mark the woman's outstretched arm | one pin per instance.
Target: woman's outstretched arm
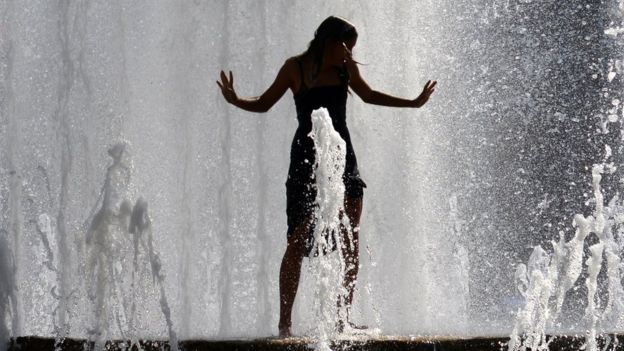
(260, 103)
(375, 97)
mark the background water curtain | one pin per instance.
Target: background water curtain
(459, 192)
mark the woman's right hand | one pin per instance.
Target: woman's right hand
(426, 93)
(227, 88)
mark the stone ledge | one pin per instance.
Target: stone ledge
(386, 343)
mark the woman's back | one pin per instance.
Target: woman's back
(328, 92)
(328, 89)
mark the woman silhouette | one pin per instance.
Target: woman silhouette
(319, 77)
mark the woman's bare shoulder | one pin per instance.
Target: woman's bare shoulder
(290, 70)
(293, 62)
(292, 65)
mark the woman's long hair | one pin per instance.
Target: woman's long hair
(332, 28)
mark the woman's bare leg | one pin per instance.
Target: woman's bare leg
(290, 271)
(350, 252)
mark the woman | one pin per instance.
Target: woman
(319, 77)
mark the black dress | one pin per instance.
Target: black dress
(300, 185)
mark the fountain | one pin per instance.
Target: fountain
(505, 158)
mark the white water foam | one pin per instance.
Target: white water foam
(547, 278)
(328, 269)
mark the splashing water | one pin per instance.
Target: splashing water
(8, 301)
(328, 270)
(106, 248)
(499, 136)
(548, 277)
(141, 229)
(112, 229)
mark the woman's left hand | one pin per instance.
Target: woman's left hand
(227, 88)
(426, 93)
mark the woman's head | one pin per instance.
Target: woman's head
(330, 40)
